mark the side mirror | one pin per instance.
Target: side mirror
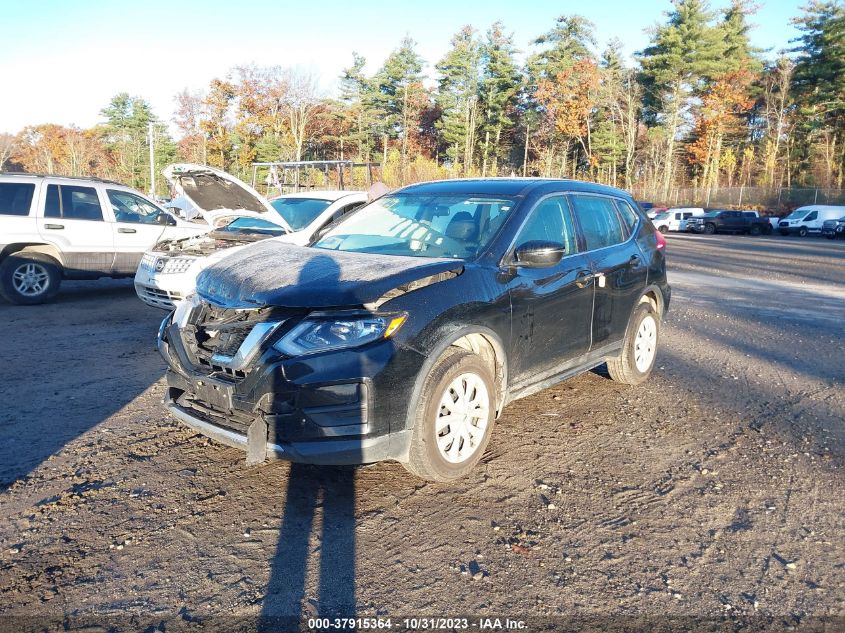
(166, 219)
(539, 254)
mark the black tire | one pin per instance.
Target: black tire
(663, 229)
(425, 459)
(802, 232)
(755, 230)
(710, 228)
(22, 263)
(624, 369)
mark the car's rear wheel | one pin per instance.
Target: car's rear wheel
(29, 278)
(755, 229)
(639, 348)
(454, 417)
(710, 228)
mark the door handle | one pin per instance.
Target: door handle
(122, 230)
(584, 278)
(54, 226)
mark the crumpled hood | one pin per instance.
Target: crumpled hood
(273, 273)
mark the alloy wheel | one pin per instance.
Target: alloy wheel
(30, 279)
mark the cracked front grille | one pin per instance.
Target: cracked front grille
(225, 341)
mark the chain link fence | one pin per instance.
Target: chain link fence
(764, 198)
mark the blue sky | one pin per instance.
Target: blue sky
(61, 61)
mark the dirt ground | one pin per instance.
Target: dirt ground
(713, 493)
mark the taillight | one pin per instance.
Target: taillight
(661, 241)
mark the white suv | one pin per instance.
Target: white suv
(55, 227)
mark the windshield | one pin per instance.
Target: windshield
(661, 216)
(797, 214)
(457, 226)
(711, 214)
(252, 225)
(299, 212)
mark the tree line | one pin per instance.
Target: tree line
(699, 107)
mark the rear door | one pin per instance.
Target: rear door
(606, 226)
(18, 198)
(551, 307)
(138, 225)
(71, 218)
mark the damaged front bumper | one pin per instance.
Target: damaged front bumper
(341, 407)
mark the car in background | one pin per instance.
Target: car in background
(810, 219)
(234, 213)
(405, 330)
(832, 229)
(55, 227)
(728, 221)
(307, 213)
(675, 219)
(168, 271)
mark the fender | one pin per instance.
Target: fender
(445, 341)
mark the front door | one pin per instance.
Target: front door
(138, 225)
(551, 307)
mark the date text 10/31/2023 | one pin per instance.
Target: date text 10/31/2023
(417, 624)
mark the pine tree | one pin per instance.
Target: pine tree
(498, 89)
(399, 94)
(355, 89)
(457, 98)
(684, 53)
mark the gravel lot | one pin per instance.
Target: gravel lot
(714, 491)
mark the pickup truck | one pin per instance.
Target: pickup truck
(717, 221)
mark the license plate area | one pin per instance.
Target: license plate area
(214, 395)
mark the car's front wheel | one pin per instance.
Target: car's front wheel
(709, 228)
(802, 232)
(639, 349)
(27, 279)
(454, 417)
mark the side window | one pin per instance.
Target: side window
(550, 221)
(16, 198)
(128, 207)
(812, 216)
(72, 203)
(628, 215)
(598, 220)
(344, 211)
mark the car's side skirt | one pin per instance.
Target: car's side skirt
(569, 369)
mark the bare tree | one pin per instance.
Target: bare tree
(302, 104)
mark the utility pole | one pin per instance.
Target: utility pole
(152, 162)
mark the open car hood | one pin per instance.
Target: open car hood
(274, 273)
(216, 195)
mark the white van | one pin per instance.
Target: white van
(809, 219)
(675, 219)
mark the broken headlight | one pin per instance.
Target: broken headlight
(319, 334)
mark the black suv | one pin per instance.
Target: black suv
(404, 331)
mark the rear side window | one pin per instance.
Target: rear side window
(628, 215)
(550, 221)
(16, 197)
(599, 221)
(71, 202)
